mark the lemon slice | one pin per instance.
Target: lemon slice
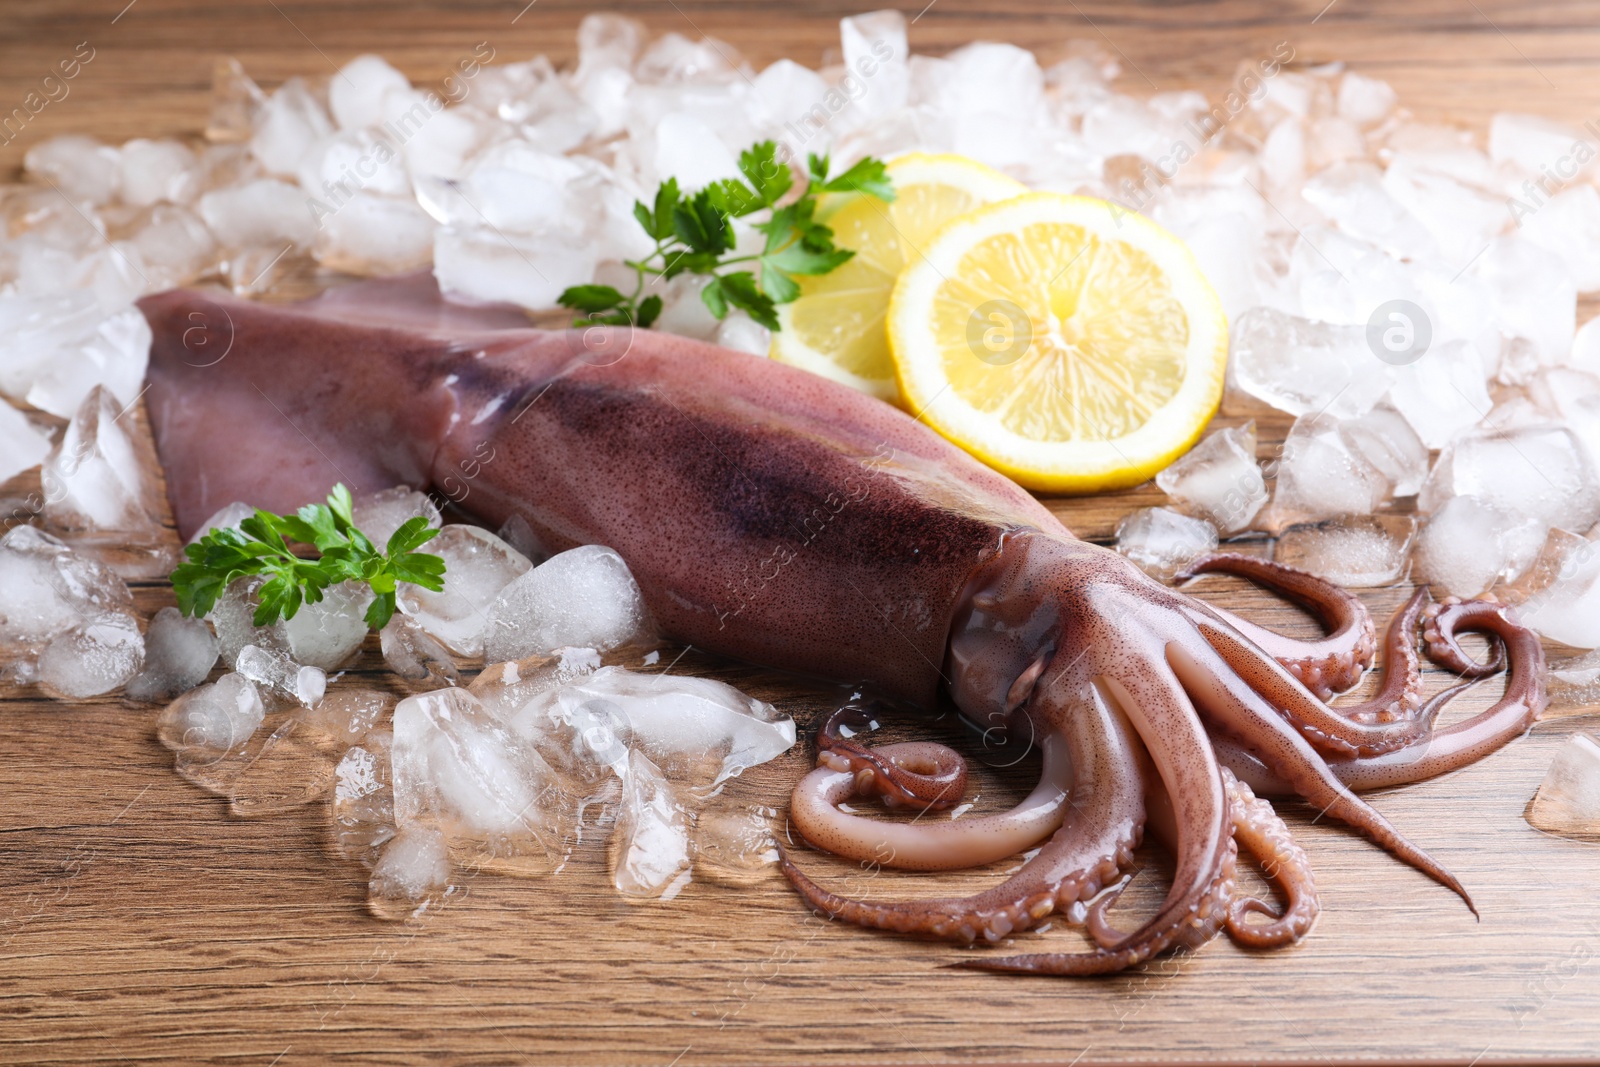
(1070, 343)
(836, 326)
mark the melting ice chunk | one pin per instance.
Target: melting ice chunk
(93, 657)
(216, 717)
(279, 672)
(94, 480)
(1163, 541)
(412, 869)
(326, 634)
(22, 446)
(355, 94)
(478, 565)
(379, 515)
(1540, 472)
(286, 125)
(347, 715)
(413, 654)
(699, 731)
(1558, 596)
(179, 653)
(81, 167)
(1304, 367)
(1568, 800)
(1322, 475)
(650, 845)
(1219, 479)
(583, 597)
(46, 588)
(1467, 545)
(1357, 550)
(506, 689)
(230, 516)
(453, 764)
(1443, 392)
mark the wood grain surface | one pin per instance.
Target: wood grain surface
(140, 921)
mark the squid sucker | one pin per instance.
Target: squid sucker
(773, 516)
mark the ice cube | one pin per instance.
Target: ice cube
(687, 148)
(1365, 101)
(1540, 472)
(46, 588)
(1386, 441)
(347, 715)
(1443, 392)
(478, 565)
(506, 689)
(380, 514)
(585, 597)
(1558, 596)
(54, 349)
(608, 40)
(1574, 683)
(699, 731)
(236, 102)
(178, 654)
(1585, 354)
(278, 672)
(412, 870)
(740, 333)
(95, 478)
(262, 212)
(346, 164)
(217, 717)
(1283, 155)
(444, 146)
(173, 246)
(733, 843)
(786, 92)
(356, 92)
(1568, 227)
(363, 799)
(1163, 541)
(650, 845)
(1219, 480)
(1461, 217)
(228, 517)
(22, 446)
(1467, 545)
(152, 171)
(413, 654)
(482, 264)
(81, 167)
(93, 657)
(674, 59)
(455, 766)
(1532, 299)
(1302, 367)
(875, 56)
(1322, 474)
(1358, 550)
(1568, 800)
(1352, 196)
(233, 620)
(1530, 142)
(375, 235)
(286, 126)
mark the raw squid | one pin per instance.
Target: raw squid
(773, 516)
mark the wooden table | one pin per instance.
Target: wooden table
(140, 921)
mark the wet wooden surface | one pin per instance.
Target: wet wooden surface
(139, 921)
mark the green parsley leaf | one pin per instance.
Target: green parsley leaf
(260, 546)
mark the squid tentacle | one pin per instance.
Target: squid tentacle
(930, 777)
(1259, 831)
(1439, 637)
(1439, 751)
(1196, 905)
(1326, 665)
(1108, 815)
(1232, 706)
(1333, 731)
(931, 845)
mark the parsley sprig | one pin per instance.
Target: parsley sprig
(260, 545)
(694, 234)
